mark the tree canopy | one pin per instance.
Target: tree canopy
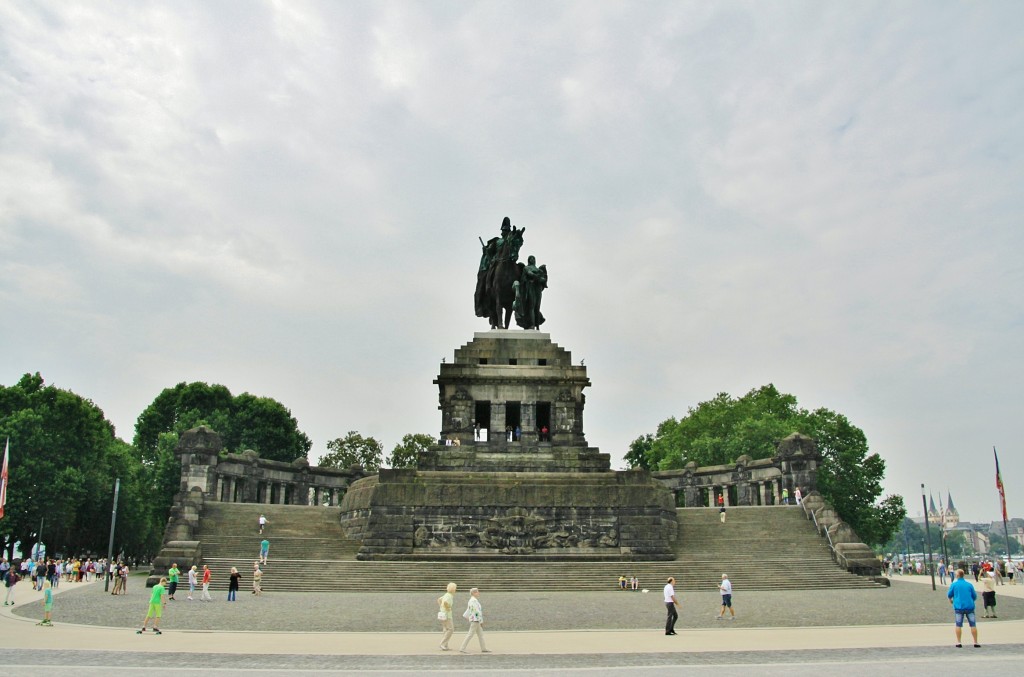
(243, 422)
(63, 463)
(406, 452)
(353, 449)
(722, 429)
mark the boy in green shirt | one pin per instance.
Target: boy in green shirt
(47, 605)
(156, 607)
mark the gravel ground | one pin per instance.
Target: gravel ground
(380, 611)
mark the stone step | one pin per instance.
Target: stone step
(761, 549)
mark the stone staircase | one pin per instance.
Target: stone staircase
(761, 548)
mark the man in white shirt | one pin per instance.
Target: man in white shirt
(670, 606)
(726, 589)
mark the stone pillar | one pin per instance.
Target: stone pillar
(198, 450)
(528, 413)
(497, 431)
(761, 493)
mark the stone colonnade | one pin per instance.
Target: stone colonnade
(247, 478)
(748, 482)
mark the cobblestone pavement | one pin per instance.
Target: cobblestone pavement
(377, 611)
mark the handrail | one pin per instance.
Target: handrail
(828, 537)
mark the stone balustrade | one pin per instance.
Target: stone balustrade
(748, 482)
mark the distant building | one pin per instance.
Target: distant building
(943, 517)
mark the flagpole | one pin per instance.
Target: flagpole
(1002, 498)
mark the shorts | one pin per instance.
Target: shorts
(959, 618)
(48, 607)
(989, 598)
(727, 600)
(155, 610)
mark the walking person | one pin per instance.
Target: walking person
(725, 588)
(156, 607)
(264, 550)
(263, 522)
(474, 613)
(961, 596)
(115, 572)
(721, 514)
(988, 594)
(10, 581)
(444, 614)
(670, 606)
(257, 579)
(207, 575)
(193, 580)
(172, 580)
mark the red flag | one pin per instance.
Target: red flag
(3, 479)
(999, 482)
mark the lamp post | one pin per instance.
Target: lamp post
(928, 533)
(110, 544)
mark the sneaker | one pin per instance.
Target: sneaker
(718, 618)
(489, 651)
(157, 632)
(139, 632)
(732, 618)
(977, 646)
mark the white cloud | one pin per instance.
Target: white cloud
(286, 200)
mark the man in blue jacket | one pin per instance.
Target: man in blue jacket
(962, 595)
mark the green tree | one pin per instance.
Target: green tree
(353, 449)
(243, 422)
(720, 430)
(637, 457)
(64, 458)
(406, 452)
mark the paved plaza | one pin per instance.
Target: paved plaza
(540, 632)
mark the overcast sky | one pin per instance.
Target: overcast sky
(285, 198)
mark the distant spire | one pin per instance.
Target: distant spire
(949, 502)
(931, 505)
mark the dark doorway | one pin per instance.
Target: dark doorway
(483, 418)
(544, 421)
(513, 418)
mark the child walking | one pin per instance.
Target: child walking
(156, 607)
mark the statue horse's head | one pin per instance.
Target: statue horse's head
(513, 243)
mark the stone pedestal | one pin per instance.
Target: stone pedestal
(543, 495)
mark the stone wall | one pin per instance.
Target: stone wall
(409, 514)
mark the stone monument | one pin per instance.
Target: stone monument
(512, 476)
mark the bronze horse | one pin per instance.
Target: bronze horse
(497, 292)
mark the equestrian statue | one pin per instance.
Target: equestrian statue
(505, 284)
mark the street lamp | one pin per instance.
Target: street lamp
(928, 532)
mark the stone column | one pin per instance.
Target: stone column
(497, 431)
(528, 413)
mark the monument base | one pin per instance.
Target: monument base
(451, 515)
